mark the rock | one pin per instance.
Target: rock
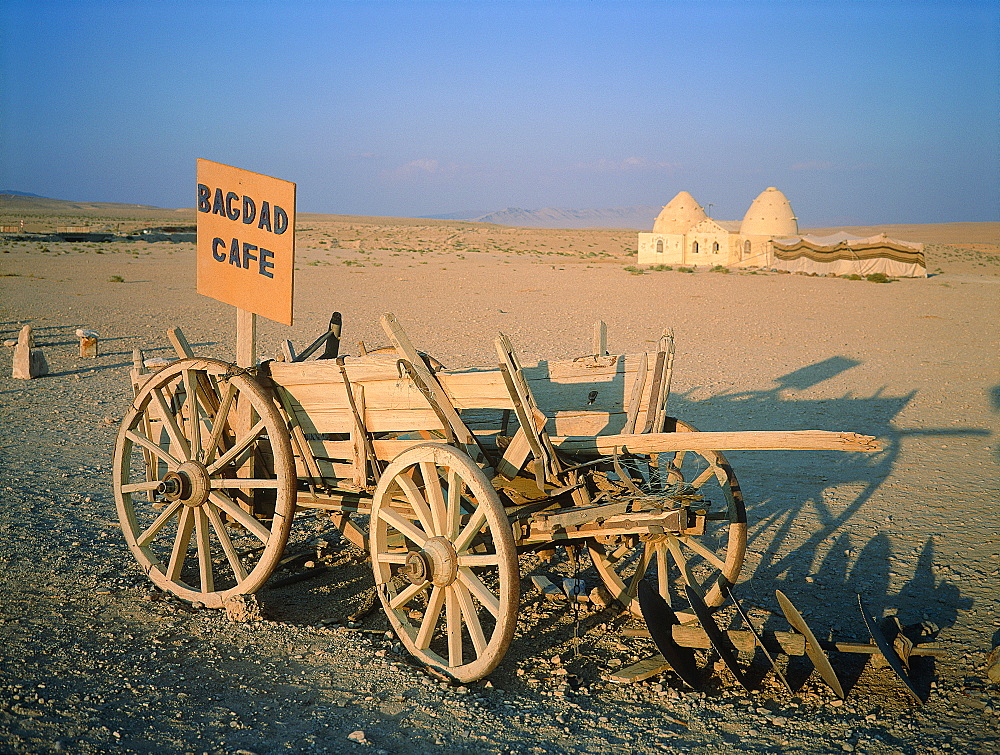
(993, 665)
(359, 737)
(29, 362)
(243, 608)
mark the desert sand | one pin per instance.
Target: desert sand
(90, 663)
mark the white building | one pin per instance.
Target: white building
(684, 235)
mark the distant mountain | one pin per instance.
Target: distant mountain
(640, 217)
(463, 215)
(24, 202)
(21, 193)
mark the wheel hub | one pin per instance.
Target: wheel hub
(436, 562)
(188, 484)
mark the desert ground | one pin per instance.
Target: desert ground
(92, 660)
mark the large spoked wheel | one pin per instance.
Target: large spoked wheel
(703, 479)
(204, 481)
(445, 563)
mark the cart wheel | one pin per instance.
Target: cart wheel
(199, 529)
(445, 563)
(668, 559)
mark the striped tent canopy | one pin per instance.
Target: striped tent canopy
(843, 254)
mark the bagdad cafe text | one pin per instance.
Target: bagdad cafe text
(246, 239)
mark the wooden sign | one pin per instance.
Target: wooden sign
(246, 239)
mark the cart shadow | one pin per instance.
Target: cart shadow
(786, 490)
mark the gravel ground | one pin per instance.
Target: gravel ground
(92, 660)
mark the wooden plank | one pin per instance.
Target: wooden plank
(637, 672)
(658, 404)
(635, 397)
(514, 456)
(359, 444)
(556, 386)
(408, 352)
(246, 338)
(181, 346)
(600, 338)
(531, 419)
(547, 588)
(769, 440)
(341, 420)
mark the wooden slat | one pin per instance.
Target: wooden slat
(436, 396)
(180, 343)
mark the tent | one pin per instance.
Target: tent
(843, 254)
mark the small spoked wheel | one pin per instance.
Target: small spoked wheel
(204, 481)
(703, 479)
(445, 563)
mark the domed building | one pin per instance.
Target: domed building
(683, 234)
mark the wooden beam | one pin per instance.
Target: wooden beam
(757, 440)
(181, 346)
(246, 338)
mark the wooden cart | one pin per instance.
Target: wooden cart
(445, 476)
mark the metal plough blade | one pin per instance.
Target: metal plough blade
(757, 638)
(719, 639)
(886, 649)
(659, 619)
(813, 649)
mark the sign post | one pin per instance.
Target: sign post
(246, 247)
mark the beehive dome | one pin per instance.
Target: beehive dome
(679, 215)
(770, 215)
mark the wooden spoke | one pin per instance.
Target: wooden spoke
(644, 558)
(417, 501)
(245, 520)
(407, 594)
(193, 412)
(404, 526)
(220, 423)
(179, 552)
(490, 559)
(453, 621)
(435, 497)
(685, 567)
(166, 416)
(476, 523)
(454, 513)
(181, 421)
(239, 448)
(244, 483)
(226, 542)
(704, 477)
(471, 597)
(470, 617)
(429, 620)
(481, 591)
(154, 449)
(153, 530)
(392, 558)
(705, 553)
(675, 558)
(202, 531)
(662, 572)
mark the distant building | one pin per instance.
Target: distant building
(684, 235)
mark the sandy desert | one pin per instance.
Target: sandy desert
(93, 661)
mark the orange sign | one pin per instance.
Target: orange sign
(246, 239)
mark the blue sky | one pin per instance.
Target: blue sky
(861, 111)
